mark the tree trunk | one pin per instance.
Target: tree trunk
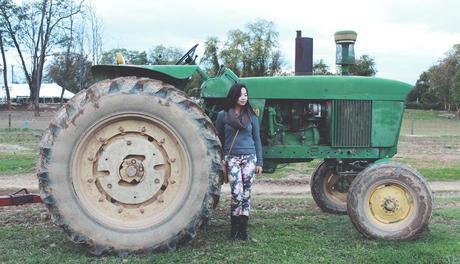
(5, 72)
(62, 96)
(37, 99)
(36, 88)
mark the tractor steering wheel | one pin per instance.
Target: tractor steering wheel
(187, 58)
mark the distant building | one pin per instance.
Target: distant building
(49, 93)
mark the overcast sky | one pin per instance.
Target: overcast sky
(404, 37)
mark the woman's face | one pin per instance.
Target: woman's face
(243, 99)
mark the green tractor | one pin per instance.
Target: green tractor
(132, 164)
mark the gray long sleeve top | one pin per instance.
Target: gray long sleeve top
(247, 141)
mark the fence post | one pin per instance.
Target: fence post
(9, 121)
(412, 126)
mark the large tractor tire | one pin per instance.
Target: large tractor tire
(130, 165)
(390, 201)
(324, 189)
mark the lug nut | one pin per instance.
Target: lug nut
(109, 186)
(128, 142)
(171, 160)
(120, 210)
(157, 181)
(90, 158)
(90, 180)
(101, 199)
(142, 210)
(172, 181)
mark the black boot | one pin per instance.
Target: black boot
(235, 221)
(243, 231)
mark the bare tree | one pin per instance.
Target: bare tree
(69, 44)
(35, 26)
(5, 71)
(95, 35)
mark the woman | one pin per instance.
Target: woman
(238, 130)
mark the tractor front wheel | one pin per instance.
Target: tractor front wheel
(390, 201)
(327, 190)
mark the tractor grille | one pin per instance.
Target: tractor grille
(351, 123)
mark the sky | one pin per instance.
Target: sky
(405, 37)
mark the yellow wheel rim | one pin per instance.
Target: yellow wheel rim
(390, 203)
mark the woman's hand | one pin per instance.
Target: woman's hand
(258, 169)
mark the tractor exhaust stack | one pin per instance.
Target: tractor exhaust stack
(303, 55)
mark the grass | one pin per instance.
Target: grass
(19, 151)
(441, 174)
(429, 123)
(287, 230)
(17, 163)
(29, 137)
(417, 114)
(293, 170)
(434, 170)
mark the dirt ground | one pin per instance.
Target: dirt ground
(11, 183)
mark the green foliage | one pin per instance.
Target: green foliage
(321, 68)
(421, 88)
(439, 86)
(158, 55)
(210, 59)
(161, 55)
(71, 71)
(252, 52)
(364, 66)
(131, 56)
(455, 89)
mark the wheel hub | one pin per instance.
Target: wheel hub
(132, 171)
(390, 203)
(131, 184)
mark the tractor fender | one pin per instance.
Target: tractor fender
(177, 75)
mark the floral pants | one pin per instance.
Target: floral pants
(241, 171)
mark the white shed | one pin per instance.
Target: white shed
(49, 93)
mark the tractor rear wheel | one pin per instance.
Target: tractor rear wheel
(390, 201)
(324, 189)
(129, 165)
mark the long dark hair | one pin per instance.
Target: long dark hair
(232, 97)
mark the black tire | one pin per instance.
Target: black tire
(93, 194)
(322, 185)
(390, 201)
